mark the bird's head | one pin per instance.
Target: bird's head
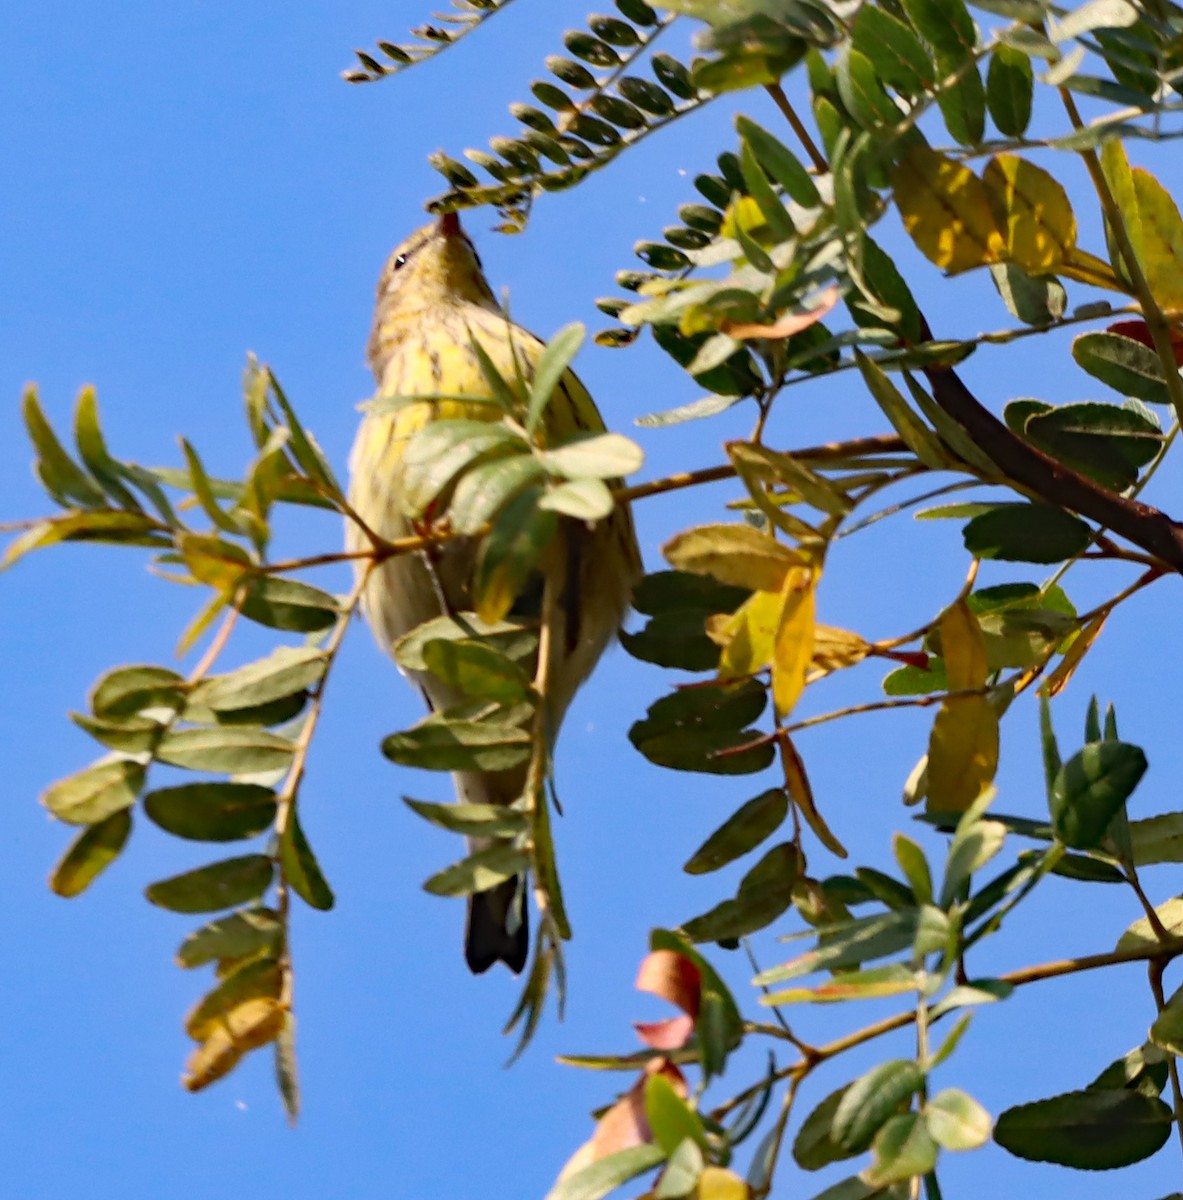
(436, 265)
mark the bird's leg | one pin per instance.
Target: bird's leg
(429, 556)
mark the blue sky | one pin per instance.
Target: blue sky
(187, 183)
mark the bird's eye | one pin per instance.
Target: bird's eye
(400, 262)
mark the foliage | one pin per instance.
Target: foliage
(769, 279)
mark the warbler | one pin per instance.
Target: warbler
(433, 303)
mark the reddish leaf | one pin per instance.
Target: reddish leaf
(1138, 330)
(671, 976)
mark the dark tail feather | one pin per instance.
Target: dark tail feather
(497, 928)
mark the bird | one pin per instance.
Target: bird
(433, 303)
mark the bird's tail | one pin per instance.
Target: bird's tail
(498, 927)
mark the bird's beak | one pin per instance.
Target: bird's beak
(449, 225)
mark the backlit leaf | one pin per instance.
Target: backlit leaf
(946, 210)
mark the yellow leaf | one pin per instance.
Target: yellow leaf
(946, 210)
(962, 753)
(1057, 681)
(1162, 240)
(797, 783)
(742, 213)
(1087, 268)
(963, 648)
(813, 488)
(250, 1025)
(1034, 210)
(1116, 169)
(793, 650)
(740, 555)
(717, 1183)
(836, 649)
(1152, 223)
(748, 636)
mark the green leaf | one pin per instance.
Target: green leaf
(245, 933)
(113, 528)
(227, 749)
(284, 672)
(287, 1078)
(873, 1099)
(945, 24)
(956, 1120)
(125, 691)
(764, 893)
(1167, 1029)
(687, 730)
(1143, 1069)
(849, 944)
(705, 406)
(442, 449)
(475, 820)
(1021, 532)
(202, 488)
(511, 553)
(896, 53)
(1122, 364)
(1090, 1130)
(744, 830)
(607, 1174)
(670, 1117)
(289, 604)
(676, 591)
(912, 681)
(480, 871)
(511, 638)
(915, 867)
(1091, 788)
(583, 499)
(94, 454)
(1009, 89)
(779, 161)
(1033, 299)
(436, 744)
(919, 438)
(682, 1171)
(676, 640)
(1141, 934)
(862, 92)
(212, 812)
(308, 454)
(220, 885)
(95, 793)
(1107, 442)
(477, 670)
(487, 488)
(128, 735)
(549, 370)
(903, 1148)
(814, 1146)
(90, 853)
(1157, 839)
(299, 865)
(65, 481)
(595, 456)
